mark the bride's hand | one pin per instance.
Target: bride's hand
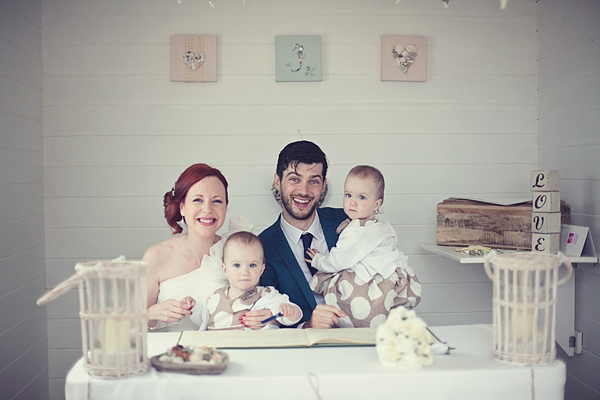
(168, 311)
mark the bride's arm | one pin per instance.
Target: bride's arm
(150, 257)
(170, 310)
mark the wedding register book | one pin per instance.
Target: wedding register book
(240, 339)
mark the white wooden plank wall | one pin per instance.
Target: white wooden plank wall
(23, 348)
(117, 132)
(569, 141)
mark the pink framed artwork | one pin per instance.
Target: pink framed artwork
(193, 58)
(404, 58)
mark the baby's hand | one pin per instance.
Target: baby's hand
(311, 254)
(188, 302)
(290, 312)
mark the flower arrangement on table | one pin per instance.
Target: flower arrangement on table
(404, 341)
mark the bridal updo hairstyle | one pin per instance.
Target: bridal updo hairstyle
(174, 197)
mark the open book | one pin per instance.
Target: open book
(241, 339)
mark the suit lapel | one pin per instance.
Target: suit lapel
(289, 260)
(329, 226)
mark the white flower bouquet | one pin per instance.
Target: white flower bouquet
(404, 341)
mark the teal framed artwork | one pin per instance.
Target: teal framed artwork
(298, 58)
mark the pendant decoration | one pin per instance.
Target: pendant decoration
(193, 59)
(405, 58)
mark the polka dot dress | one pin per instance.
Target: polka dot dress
(226, 313)
(367, 303)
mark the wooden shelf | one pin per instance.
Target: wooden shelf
(450, 252)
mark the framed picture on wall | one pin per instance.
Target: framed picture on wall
(298, 58)
(193, 58)
(404, 58)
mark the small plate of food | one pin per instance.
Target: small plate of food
(191, 360)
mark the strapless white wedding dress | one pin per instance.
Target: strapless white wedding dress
(202, 281)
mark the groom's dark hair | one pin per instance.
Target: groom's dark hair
(302, 151)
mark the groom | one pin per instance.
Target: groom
(300, 180)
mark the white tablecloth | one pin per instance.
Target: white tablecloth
(469, 372)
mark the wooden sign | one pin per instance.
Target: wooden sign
(464, 222)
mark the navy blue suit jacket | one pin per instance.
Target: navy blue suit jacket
(282, 270)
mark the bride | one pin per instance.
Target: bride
(189, 264)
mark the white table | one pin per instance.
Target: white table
(469, 372)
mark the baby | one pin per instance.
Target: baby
(365, 274)
(243, 263)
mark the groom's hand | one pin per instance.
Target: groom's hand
(324, 317)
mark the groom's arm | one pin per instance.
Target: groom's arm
(269, 277)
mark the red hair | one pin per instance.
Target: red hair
(174, 197)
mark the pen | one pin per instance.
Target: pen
(271, 318)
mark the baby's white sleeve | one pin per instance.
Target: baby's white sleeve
(285, 320)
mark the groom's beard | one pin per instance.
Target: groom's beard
(300, 215)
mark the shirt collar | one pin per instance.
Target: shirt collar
(294, 233)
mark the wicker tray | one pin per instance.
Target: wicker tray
(191, 368)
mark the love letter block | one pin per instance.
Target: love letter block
(545, 222)
(546, 202)
(545, 242)
(544, 180)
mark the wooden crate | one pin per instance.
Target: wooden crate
(462, 222)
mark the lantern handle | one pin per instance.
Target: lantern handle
(70, 283)
(60, 289)
(567, 263)
(487, 266)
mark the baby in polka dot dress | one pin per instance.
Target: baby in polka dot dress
(365, 274)
(243, 263)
